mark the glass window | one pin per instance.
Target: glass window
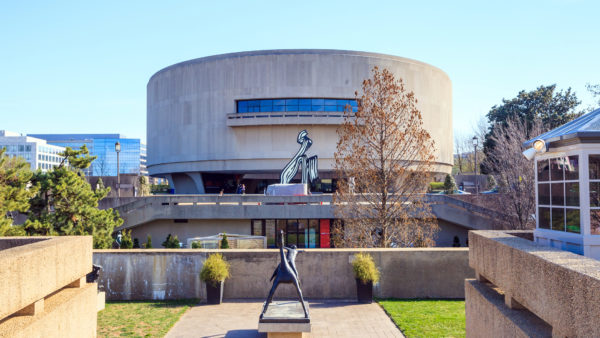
(317, 108)
(292, 232)
(558, 219)
(291, 108)
(317, 102)
(544, 214)
(304, 102)
(543, 170)
(595, 221)
(21, 148)
(544, 194)
(572, 167)
(291, 102)
(279, 102)
(278, 108)
(573, 224)
(304, 108)
(594, 194)
(302, 233)
(594, 167)
(270, 228)
(556, 169)
(572, 194)
(329, 102)
(257, 227)
(557, 193)
(313, 233)
(330, 108)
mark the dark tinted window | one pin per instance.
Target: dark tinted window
(305, 104)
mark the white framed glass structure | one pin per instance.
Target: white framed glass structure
(567, 187)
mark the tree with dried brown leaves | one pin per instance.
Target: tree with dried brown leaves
(514, 173)
(383, 161)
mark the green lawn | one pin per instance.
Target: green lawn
(427, 317)
(140, 318)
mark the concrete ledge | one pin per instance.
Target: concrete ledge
(67, 313)
(38, 267)
(488, 316)
(324, 273)
(559, 287)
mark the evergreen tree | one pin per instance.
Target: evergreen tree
(224, 242)
(172, 242)
(491, 182)
(449, 184)
(148, 242)
(15, 177)
(66, 204)
(126, 242)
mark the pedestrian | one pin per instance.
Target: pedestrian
(243, 189)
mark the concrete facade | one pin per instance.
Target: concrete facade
(324, 273)
(201, 215)
(43, 290)
(193, 127)
(546, 289)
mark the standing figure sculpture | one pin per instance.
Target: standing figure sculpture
(309, 165)
(285, 273)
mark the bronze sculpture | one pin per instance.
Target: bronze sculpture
(285, 273)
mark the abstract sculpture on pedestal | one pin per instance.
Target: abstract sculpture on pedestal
(285, 273)
(309, 165)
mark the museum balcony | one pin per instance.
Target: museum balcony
(284, 118)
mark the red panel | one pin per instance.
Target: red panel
(324, 232)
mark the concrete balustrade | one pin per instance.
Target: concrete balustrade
(544, 290)
(42, 287)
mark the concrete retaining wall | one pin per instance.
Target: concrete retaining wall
(324, 273)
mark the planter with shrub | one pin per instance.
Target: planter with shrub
(366, 274)
(214, 272)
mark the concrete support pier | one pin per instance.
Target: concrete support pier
(285, 319)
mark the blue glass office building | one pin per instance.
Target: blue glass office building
(132, 156)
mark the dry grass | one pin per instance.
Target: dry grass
(140, 318)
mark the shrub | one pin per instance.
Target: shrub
(126, 242)
(215, 269)
(224, 242)
(172, 242)
(436, 186)
(148, 242)
(364, 268)
(196, 245)
(449, 184)
(491, 182)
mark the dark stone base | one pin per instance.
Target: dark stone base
(285, 312)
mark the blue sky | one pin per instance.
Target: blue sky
(82, 66)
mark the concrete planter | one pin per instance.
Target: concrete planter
(214, 294)
(364, 292)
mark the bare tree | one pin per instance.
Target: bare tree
(516, 177)
(383, 160)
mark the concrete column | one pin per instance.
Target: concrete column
(511, 302)
(197, 177)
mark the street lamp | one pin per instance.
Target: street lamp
(118, 150)
(475, 143)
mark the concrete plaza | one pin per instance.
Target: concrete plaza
(328, 319)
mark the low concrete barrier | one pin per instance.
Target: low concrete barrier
(545, 290)
(43, 289)
(324, 273)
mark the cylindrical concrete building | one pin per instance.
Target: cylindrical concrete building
(223, 119)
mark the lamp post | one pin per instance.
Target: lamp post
(475, 143)
(118, 150)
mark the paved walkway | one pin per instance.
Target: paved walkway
(328, 318)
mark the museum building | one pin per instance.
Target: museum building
(218, 121)
(221, 120)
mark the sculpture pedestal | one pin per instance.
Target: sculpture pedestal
(284, 319)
